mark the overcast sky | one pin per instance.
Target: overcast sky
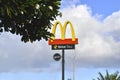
(96, 26)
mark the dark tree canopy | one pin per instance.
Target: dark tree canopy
(30, 19)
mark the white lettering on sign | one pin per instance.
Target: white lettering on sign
(57, 47)
(61, 46)
(69, 46)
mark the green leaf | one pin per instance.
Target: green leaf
(108, 76)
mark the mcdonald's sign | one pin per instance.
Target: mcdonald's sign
(66, 41)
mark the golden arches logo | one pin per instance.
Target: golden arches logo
(72, 40)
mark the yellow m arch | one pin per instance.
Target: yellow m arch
(63, 29)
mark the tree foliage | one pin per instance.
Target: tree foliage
(107, 76)
(30, 19)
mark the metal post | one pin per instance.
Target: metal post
(63, 64)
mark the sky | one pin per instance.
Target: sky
(97, 27)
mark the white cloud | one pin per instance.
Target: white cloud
(18, 56)
(112, 22)
(98, 46)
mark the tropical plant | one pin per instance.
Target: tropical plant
(114, 76)
(30, 19)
